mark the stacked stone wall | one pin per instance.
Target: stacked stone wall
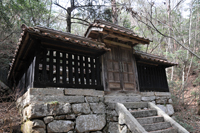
(77, 110)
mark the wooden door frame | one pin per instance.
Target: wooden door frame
(104, 73)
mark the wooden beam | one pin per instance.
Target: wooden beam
(139, 39)
(120, 37)
(109, 42)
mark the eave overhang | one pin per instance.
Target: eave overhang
(33, 38)
(112, 32)
(150, 59)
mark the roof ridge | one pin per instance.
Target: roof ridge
(113, 25)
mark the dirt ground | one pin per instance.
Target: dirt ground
(9, 118)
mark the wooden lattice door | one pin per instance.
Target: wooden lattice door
(119, 69)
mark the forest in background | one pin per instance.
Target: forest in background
(172, 25)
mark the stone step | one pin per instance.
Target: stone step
(168, 130)
(150, 120)
(144, 113)
(136, 105)
(157, 126)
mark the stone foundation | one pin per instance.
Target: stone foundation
(79, 110)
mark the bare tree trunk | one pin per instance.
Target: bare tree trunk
(48, 20)
(68, 19)
(114, 12)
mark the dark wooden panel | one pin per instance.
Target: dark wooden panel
(152, 78)
(68, 70)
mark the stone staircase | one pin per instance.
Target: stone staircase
(151, 122)
(149, 118)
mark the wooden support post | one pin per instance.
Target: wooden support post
(81, 70)
(92, 70)
(51, 66)
(64, 72)
(97, 63)
(87, 70)
(76, 69)
(70, 69)
(57, 67)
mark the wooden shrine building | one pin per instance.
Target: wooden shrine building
(104, 59)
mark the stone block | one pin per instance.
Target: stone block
(124, 129)
(169, 109)
(111, 118)
(47, 91)
(135, 105)
(92, 99)
(36, 126)
(63, 109)
(110, 106)
(101, 99)
(70, 117)
(170, 101)
(122, 99)
(60, 117)
(83, 92)
(21, 101)
(60, 99)
(111, 112)
(35, 111)
(163, 94)
(81, 108)
(98, 107)
(60, 126)
(42, 110)
(160, 100)
(148, 98)
(48, 119)
(147, 93)
(86, 123)
(113, 127)
(162, 107)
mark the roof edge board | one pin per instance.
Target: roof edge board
(44, 29)
(93, 29)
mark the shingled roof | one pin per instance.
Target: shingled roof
(152, 59)
(116, 31)
(24, 45)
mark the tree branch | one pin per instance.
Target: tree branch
(8, 36)
(80, 23)
(81, 20)
(135, 14)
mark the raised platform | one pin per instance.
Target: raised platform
(81, 110)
